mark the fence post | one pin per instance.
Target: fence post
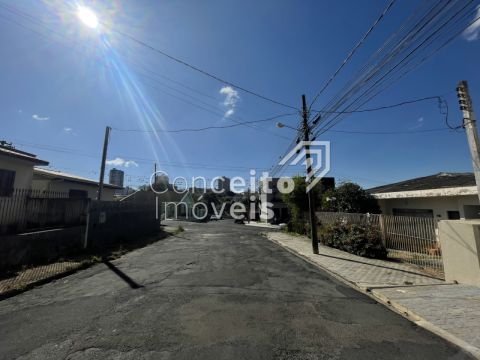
(383, 231)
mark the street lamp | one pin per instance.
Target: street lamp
(282, 125)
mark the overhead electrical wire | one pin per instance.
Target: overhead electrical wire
(406, 49)
(171, 57)
(352, 52)
(216, 111)
(204, 128)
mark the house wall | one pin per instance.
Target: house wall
(23, 171)
(65, 186)
(439, 205)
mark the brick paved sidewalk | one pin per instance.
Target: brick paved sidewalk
(363, 272)
(28, 277)
(449, 310)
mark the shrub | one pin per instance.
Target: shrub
(359, 240)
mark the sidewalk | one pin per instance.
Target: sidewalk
(261, 224)
(451, 311)
(35, 275)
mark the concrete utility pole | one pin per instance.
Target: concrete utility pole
(104, 159)
(309, 178)
(470, 125)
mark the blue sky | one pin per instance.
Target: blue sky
(61, 86)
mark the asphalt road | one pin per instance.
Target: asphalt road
(215, 291)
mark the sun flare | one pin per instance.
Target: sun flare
(87, 16)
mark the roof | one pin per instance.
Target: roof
(12, 152)
(441, 184)
(54, 174)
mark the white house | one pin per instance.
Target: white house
(440, 196)
(16, 168)
(75, 186)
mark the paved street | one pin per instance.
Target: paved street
(215, 291)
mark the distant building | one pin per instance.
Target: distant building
(116, 177)
(76, 186)
(16, 168)
(441, 196)
(223, 184)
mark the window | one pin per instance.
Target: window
(7, 179)
(453, 215)
(426, 213)
(77, 194)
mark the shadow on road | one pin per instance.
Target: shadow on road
(122, 275)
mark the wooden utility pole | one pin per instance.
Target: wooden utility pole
(309, 178)
(470, 125)
(104, 159)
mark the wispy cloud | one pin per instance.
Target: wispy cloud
(69, 130)
(121, 162)
(472, 33)
(419, 124)
(39, 118)
(230, 101)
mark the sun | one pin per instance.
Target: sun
(87, 16)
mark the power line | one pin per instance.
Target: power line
(204, 128)
(215, 111)
(407, 102)
(195, 68)
(161, 52)
(389, 57)
(352, 52)
(391, 132)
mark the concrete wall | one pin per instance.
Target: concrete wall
(112, 222)
(439, 205)
(460, 242)
(23, 171)
(41, 183)
(40, 246)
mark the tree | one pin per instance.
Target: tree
(351, 198)
(297, 203)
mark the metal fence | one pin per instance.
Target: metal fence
(409, 239)
(27, 209)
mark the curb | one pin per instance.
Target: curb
(395, 307)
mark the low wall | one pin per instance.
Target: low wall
(116, 222)
(40, 246)
(460, 241)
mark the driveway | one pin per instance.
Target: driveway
(216, 291)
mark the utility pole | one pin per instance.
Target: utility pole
(155, 175)
(470, 125)
(104, 159)
(309, 178)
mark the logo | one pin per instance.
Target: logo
(316, 158)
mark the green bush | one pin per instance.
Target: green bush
(298, 226)
(355, 239)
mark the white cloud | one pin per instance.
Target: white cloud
(231, 99)
(229, 113)
(420, 121)
(67, 129)
(39, 118)
(473, 31)
(121, 162)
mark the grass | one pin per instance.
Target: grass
(178, 230)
